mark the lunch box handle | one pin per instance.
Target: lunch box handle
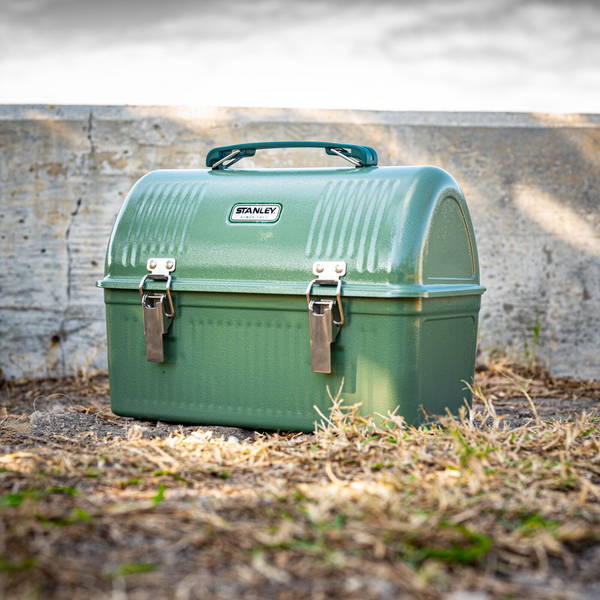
(225, 156)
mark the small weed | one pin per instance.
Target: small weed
(530, 350)
(129, 482)
(316, 546)
(298, 496)
(469, 550)
(23, 564)
(160, 494)
(379, 466)
(338, 521)
(70, 491)
(467, 450)
(220, 474)
(373, 438)
(93, 474)
(132, 569)
(15, 499)
(287, 515)
(534, 522)
(171, 474)
(78, 515)
(81, 515)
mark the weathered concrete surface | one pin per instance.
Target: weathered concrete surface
(532, 182)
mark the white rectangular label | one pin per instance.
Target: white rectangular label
(255, 213)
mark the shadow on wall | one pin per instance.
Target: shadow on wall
(531, 182)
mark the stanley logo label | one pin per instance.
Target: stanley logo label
(255, 213)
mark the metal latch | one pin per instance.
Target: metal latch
(157, 307)
(325, 316)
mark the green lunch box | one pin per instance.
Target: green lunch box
(235, 297)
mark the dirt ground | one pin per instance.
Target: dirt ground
(501, 502)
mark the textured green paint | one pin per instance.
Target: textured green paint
(238, 350)
(244, 359)
(377, 219)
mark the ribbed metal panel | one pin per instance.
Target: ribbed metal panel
(160, 227)
(348, 221)
(266, 373)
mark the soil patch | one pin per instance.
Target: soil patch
(502, 501)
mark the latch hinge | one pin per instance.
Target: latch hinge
(157, 307)
(325, 316)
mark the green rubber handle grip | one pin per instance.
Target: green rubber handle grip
(224, 156)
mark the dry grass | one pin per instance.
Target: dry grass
(504, 500)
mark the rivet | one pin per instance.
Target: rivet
(152, 264)
(169, 264)
(339, 269)
(320, 268)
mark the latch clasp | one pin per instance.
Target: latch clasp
(325, 316)
(157, 307)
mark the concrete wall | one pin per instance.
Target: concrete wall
(532, 182)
